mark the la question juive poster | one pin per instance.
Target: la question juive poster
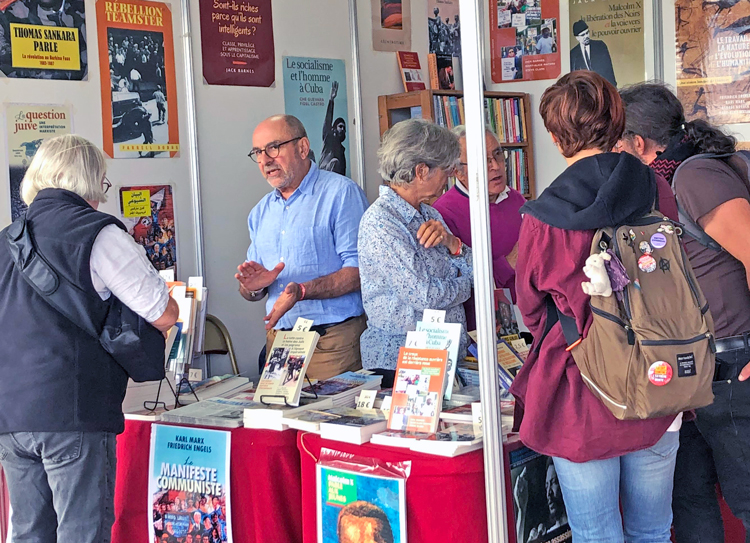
(315, 93)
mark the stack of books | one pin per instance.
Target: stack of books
(344, 388)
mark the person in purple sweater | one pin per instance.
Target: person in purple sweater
(505, 220)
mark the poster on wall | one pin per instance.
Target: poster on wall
(444, 28)
(188, 485)
(139, 93)
(391, 25)
(43, 39)
(237, 42)
(315, 93)
(27, 127)
(713, 60)
(608, 40)
(524, 40)
(148, 214)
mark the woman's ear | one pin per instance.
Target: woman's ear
(421, 171)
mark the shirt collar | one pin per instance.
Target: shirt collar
(308, 183)
(500, 197)
(404, 208)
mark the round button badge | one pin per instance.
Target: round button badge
(659, 241)
(660, 373)
(647, 263)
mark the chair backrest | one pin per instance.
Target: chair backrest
(218, 341)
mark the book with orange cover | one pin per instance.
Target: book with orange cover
(418, 389)
(411, 71)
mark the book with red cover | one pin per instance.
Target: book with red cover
(411, 71)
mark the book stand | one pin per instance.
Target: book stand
(153, 405)
(264, 396)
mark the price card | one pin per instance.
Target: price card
(433, 316)
(366, 399)
(167, 275)
(195, 374)
(302, 325)
(476, 414)
(386, 407)
(519, 345)
(416, 340)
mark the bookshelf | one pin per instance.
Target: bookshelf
(510, 119)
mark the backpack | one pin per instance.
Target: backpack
(649, 352)
(690, 226)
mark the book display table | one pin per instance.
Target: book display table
(444, 496)
(265, 485)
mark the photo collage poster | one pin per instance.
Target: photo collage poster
(148, 214)
(139, 92)
(607, 37)
(27, 127)
(237, 42)
(524, 40)
(188, 485)
(391, 25)
(315, 93)
(43, 39)
(713, 60)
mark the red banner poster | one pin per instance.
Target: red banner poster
(139, 92)
(524, 40)
(237, 42)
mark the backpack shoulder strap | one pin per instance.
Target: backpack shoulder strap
(569, 326)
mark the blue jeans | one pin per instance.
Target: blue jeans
(61, 485)
(641, 481)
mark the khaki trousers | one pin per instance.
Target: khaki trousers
(337, 351)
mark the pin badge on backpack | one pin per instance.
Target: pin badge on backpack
(666, 229)
(645, 248)
(659, 241)
(660, 373)
(664, 265)
(647, 263)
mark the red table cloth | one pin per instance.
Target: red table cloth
(265, 487)
(444, 496)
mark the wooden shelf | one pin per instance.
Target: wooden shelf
(393, 108)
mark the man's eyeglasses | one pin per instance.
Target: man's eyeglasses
(106, 185)
(272, 150)
(498, 155)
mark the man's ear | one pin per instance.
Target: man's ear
(304, 147)
(640, 144)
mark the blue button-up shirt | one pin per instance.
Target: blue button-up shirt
(314, 233)
(400, 278)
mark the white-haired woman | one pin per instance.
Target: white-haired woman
(409, 260)
(60, 391)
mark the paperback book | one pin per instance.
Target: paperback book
(354, 426)
(411, 71)
(418, 389)
(284, 372)
(444, 335)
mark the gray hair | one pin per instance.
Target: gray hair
(412, 142)
(66, 162)
(295, 126)
(460, 132)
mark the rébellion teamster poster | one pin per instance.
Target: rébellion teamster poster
(139, 93)
(188, 484)
(713, 60)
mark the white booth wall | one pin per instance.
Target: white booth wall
(231, 183)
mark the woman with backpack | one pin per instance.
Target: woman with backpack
(603, 463)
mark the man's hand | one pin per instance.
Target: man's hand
(284, 303)
(433, 233)
(745, 373)
(334, 89)
(512, 257)
(252, 276)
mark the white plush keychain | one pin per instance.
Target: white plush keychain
(596, 270)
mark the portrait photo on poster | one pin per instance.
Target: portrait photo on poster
(607, 37)
(43, 39)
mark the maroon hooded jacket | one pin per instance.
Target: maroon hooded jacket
(561, 416)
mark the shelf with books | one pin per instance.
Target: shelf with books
(507, 114)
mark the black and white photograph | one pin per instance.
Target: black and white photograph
(444, 28)
(138, 83)
(294, 365)
(276, 362)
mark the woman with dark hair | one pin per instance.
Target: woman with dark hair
(714, 193)
(602, 463)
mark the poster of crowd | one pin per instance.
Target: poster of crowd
(608, 40)
(139, 93)
(444, 28)
(391, 25)
(713, 60)
(148, 214)
(43, 39)
(315, 93)
(537, 499)
(237, 42)
(189, 485)
(524, 40)
(27, 128)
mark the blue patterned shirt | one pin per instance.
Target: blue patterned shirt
(400, 278)
(313, 232)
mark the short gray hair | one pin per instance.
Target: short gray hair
(412, 142)
(295, 126)
(460, 132)
(66, 162)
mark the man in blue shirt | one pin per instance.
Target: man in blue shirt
(303, 251)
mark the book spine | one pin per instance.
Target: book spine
(433, 71)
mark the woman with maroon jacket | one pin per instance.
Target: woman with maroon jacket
(602, 463)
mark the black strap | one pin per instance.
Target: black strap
(554, 315)
(70, 301)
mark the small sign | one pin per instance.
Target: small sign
(167, 275)
(302, 325)
(386, 407)
(476, 414)
(195, 374)
(416, 340)
(433, 316)
(366, 399)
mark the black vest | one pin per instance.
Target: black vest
(54, 376)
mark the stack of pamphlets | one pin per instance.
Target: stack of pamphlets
(271, 417)
(221, 412)
(450, 439)
(339, 423)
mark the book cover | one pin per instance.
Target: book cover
(284, 372)
(411, 71)
(359, 507)
(340, 384)
(186, 466)
(446, 78)
(418, 389)
(444, 336)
